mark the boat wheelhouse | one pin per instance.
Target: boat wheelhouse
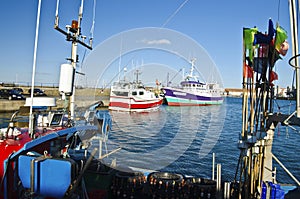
(133, 96)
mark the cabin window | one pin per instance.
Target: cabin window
(118, 93)
(56, 119)
(141, 93)
(134, 93)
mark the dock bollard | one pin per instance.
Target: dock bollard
(218, 187)
(226, 190)
(213, 167)
(218, 177)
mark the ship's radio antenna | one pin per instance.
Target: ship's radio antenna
(73, 34)
(31, 117)
(56, 13)
(93, 23)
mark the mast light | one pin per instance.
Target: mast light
(74, 26)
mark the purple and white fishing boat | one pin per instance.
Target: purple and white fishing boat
(192, 92)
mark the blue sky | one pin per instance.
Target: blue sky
(215, 25)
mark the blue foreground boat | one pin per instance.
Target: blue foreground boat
(56, 159)
(68, 164)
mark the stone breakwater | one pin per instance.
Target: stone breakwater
(13, 105)
(83, 98)
(10, 106)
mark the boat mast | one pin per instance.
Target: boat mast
(74, 35)
(258, 124)
(259, 121)
(294, 37)
(137, 73)
(192, 68)
(120, 59)
(191, 75)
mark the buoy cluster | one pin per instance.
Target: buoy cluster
(161, 185)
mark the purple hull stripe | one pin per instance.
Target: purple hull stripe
(169, 92)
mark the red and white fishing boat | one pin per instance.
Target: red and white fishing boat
(133, 97)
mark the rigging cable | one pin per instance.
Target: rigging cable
(111, 81)
(93, 23)
(91, 31)
(174, 76)
(173, 15)
(278, 10)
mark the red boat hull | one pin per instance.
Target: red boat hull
(10, 145)
(131, 104)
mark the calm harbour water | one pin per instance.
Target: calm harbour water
(182, 140)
